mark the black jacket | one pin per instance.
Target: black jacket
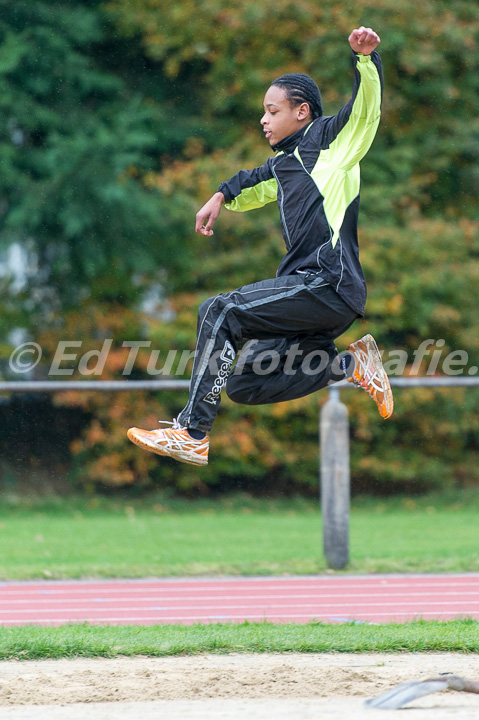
(315, 179)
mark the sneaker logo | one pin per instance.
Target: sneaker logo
(227, 356)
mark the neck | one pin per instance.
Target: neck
(288, 143)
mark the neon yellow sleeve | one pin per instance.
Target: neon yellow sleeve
(355, 138)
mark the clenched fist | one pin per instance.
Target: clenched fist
(364, 40)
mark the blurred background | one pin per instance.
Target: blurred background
(118, 120)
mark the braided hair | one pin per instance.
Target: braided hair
(300, 88)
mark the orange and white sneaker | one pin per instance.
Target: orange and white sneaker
(370, 375)
(173, 442)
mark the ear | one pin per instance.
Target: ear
(303, 111)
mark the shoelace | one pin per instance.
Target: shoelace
(367, 386)
(175, 424)
(370, 374)
(177, 442)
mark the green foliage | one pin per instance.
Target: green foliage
(426, 154)
(77, 139)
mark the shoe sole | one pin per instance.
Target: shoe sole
(378, 363)
(182, 457)
(372, 348)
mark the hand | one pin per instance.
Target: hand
(364, 40)
(206, 217)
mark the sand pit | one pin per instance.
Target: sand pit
(228, 687)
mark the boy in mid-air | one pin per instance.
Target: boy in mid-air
(319, 289)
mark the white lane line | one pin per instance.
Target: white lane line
(214, 618)
(337, 607)
(159, 597)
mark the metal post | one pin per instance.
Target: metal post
(335, 480)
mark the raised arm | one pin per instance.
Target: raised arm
(350, 133)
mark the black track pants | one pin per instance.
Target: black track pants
(292, 322)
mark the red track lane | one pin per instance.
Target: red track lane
(374, 599)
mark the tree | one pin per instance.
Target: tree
(120, 119)
(78, 136)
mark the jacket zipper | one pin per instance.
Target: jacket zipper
(281, 208)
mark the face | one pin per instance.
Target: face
(280, 119)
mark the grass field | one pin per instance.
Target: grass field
(67, 641)
(99, 538)
(72, 538)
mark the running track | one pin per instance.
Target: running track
(374, 599)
